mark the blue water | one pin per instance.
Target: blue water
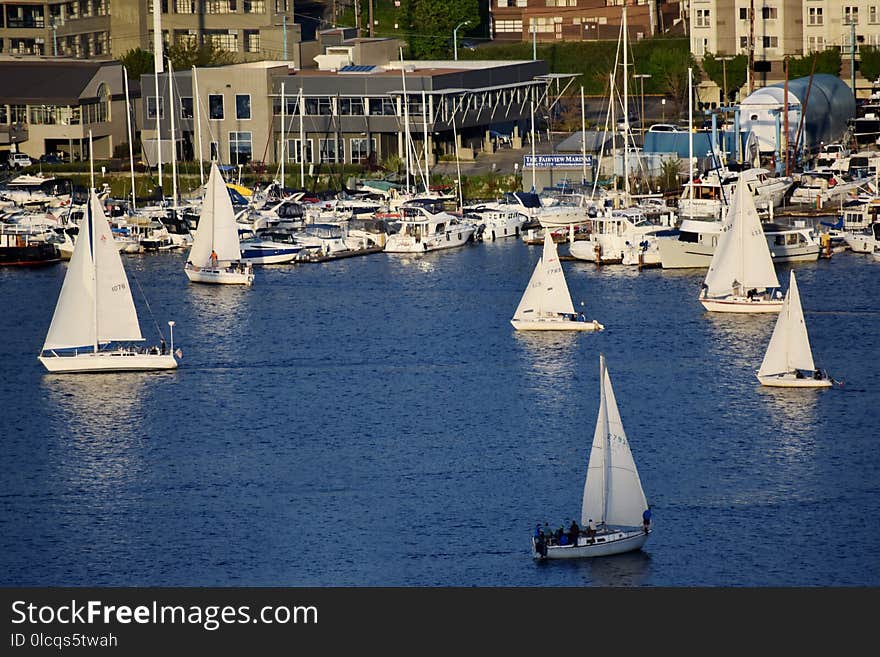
(377, 421)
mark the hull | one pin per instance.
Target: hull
(555, 325)
(32, 255)
(790, 380)
(219, 276)
(742, 305)
(114, 361)
(604, 545)
(406, 244)
(678, 254)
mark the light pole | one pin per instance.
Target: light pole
(724, 61)
(455, 38)
(641, 77)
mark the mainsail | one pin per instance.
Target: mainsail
(612, 491)
(95, 305)
(217, 231)
(547, 292)
(742, 259)
(789, 347)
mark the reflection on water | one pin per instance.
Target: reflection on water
(793, 413)
(628, 569)
(740, 339)
(550, 363)
(219, 314)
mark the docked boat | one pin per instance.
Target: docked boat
(257, 250)
(615, 516)
(546, 303)
(788, 361)
(865, 241)
(423, 228)
(614, 232)
(215, 256)
(819, 188)
(741, 276)
(95, 325)
(22, 247)
(709, 195)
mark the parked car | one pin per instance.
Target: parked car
(52, 158)
(19, 160)
(664, 127)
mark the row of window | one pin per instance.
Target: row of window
(221, 6)
(216, 108)
(330, 151)
(55, 114)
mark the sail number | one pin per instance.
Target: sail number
(118, 287)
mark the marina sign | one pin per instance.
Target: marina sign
(558, 161)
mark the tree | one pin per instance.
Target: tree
(187, 54)
(735, 71)
(137, 62)
(827, 61)
(431, 23)
(669, 71)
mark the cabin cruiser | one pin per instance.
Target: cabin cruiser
(712, 192)
(822, 187)
(614, 233)
(424, 226)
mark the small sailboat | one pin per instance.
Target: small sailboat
(95, 319)
(788, 362)
(614, 511)
(215, 256)
(741, 276)
(546, 303)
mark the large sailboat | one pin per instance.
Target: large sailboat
(546, 303)
(215, 256)
(788, 362)
(614, 510)
(95, 321)
(741, 277)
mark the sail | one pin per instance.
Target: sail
(217, 230)
(612, 491)
(742, 255)
(789, 347)
(95, 304)
(547, 291)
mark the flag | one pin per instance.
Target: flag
(178, 353)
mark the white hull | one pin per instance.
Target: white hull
(112, 361)
(678, 254)
(407, 244)
(555, 325)
(219, 276)
(603, 545)
(790, 380)
(735, 304)
(861, 243)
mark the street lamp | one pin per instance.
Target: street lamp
(455, 38)
(724, 61)
(641, 77)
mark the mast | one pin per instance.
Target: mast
(130, 140)
(405, 119)
(691, 141)
(173, 137)
(198, 126)
(90, 235)
(785, 115)
(534, 181)
(302, 140)
(425, 133)
(606, 447)
(625, 109)
(583, 140)
(613, 138)
(158, 67)
(282, 140)
(751, 47)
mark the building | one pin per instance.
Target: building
(352, 109)
(250, 29)
(578, 20)
(52, 106)
(775, 29)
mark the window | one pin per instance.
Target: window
(215, 151)
(815, 16)
(522, 3)
(223, 39)
(4, 116)
(320, 106)
(252, 41)
(329, 150)
(744, 43)
(744, 13)
(351, 106)
(770, 42)
(215, 107)
(151, 107)
(220, 6)
(361, 149)
(240, 147)
(293, 151)
(503, 3)
(255, 6)
(702, 18)
(186, 107)
(851, 15)
(382, 107)
(872, 14)
(243, 107)
(508, 26)
(185, 6)
(769, 13)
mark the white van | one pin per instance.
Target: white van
(19, 160)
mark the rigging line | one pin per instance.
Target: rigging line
(147, 304)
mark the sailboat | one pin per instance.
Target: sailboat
(95, 320)
(788, 362)
(614, 510)
(741, 277)
(215, 256)
(546, 303)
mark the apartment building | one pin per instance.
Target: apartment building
(251, 29)
(578, 20)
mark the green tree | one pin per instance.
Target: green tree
(669, 71)
(870, 62)
(187, 54)
(431, 23)
(735, 70)
(137, 62)
(827, 61)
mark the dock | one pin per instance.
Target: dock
(339, 255)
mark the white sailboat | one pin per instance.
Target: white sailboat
(95, 320)
(741, 277)
(613, 511)
(788, 362)
(215, 256)
(546, 303)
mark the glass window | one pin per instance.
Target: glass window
(383, 107)
(351, 106)
(243, 106)
(252, 41)
(186, 107)
(362, 148)
(151, 107)
(293, 151)
(328, 150)
(240, 147)
(215, 107)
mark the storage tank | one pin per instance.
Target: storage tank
(829, 106)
